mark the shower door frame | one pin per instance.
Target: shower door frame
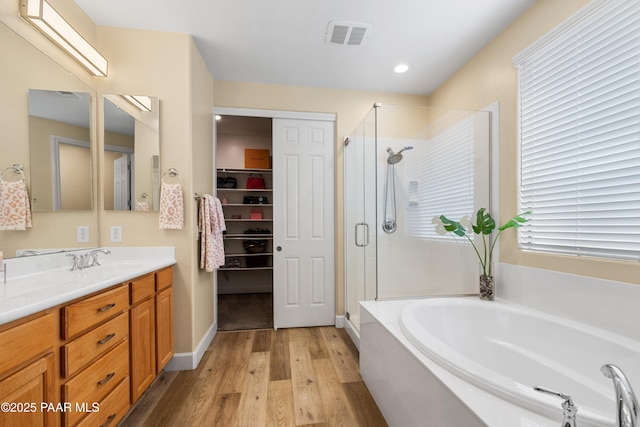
(361, 233)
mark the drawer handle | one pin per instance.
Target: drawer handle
(106, 339)
(106, 307)
(107, 378)
(111, 418)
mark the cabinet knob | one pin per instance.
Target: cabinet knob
(279, 248)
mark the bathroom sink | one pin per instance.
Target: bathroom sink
(37, 283)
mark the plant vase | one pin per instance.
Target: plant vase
(487, 287)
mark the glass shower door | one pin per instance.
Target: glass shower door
(360, 219)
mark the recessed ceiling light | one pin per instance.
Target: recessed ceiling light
(400, 68)
(218, 117)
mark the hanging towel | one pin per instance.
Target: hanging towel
(171, 206)
(211, 226)
(142, 206)
(15, 210)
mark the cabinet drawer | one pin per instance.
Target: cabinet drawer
(112, 408)
(25, 341)
(164, 278)
(97, 380)
(142, 288)
(84, 314)
(77, 353)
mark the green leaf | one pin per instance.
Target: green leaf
(453, 226)
(484, 223)
(515, 222)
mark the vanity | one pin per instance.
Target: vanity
(80, 347)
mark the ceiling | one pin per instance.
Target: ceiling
(283, 41)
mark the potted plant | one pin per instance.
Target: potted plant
(485, 225)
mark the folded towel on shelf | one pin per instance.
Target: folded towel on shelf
(171, 206)
(15, 209)
(211, 226)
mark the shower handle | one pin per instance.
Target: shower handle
(366, 234)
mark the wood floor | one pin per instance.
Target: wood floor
(288, 377)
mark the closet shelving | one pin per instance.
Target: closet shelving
(238, 220)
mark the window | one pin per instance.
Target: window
(440, 174)
(580, 134)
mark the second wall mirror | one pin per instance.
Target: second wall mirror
(60, 147)
(131, 153)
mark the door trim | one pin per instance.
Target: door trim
(274, 114)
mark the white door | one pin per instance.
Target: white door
(121, 183)
(303, 223)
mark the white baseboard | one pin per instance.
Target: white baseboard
(339, 321)
(190, 361)
(353, 333)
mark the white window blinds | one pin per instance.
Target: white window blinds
(580, 134)
(441, 174)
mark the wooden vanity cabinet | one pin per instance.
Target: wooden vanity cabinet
(96, 355)
(143, 346)
(164, 318)
(27, 371)
(95, 358)
(151, 328)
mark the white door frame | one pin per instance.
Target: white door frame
(56, 141)
(272, 114)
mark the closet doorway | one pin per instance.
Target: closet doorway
(245, 187)
(277, 192)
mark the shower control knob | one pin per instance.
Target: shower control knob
(279, 248)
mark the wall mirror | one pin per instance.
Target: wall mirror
(26, 67)
(131, 153)
(60, 150)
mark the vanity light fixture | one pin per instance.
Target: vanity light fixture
(41, 15)
(142, 103)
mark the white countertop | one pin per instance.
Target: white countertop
(40, 282)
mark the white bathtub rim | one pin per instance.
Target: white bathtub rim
(495, 412)
(464, 368)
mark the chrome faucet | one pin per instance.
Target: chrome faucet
(76, 262)
(30, 252)
(626, 402)
(569, 410)
(90, 259)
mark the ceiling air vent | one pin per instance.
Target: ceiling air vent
(347, 33)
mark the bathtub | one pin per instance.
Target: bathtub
(506, 349)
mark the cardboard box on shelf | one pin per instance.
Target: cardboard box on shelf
(256, 159)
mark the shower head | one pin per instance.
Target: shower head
(396, 157)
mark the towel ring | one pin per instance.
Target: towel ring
(171, 173)
(16, 168)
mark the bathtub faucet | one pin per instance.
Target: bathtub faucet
(569, 410)
(626, 402)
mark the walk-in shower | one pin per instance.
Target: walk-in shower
(392, 194)
(389, 222)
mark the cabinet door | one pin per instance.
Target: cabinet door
(164, 328)
(31, 385)
(143, 347)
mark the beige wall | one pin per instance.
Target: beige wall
(350, 108)
(202, 162)
(168, 65)
(489, 77)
